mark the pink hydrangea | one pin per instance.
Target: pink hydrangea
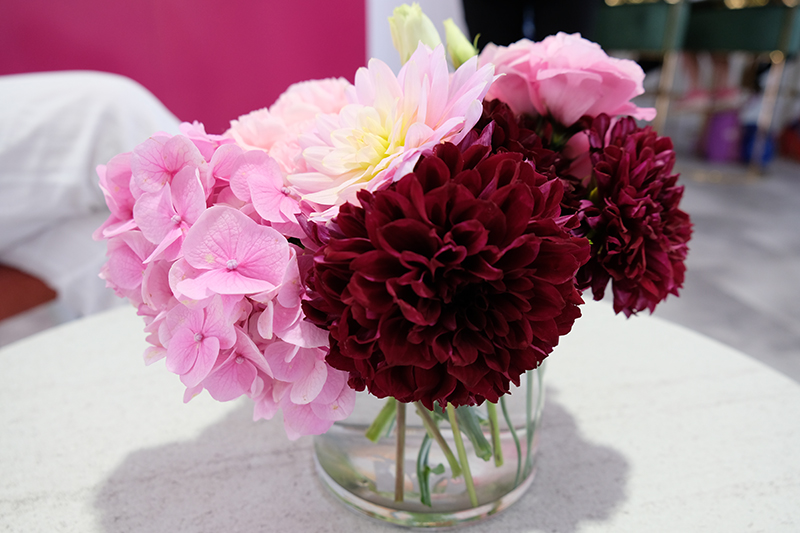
(199, 242)
(565, 77)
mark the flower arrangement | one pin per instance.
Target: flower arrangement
(424, 236)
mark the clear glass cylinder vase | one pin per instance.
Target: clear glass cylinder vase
(362, 474)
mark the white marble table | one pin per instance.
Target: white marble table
(648, 427)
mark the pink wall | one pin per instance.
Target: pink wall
(207, 60)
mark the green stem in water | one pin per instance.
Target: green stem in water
(380, 426)
(513, 431)
(494, 425)
(534, 413)
(399, 475)
(424, 471)
(462, 455)
(528, 419)
(433, 431)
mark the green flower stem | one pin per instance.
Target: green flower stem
(539, 396)
(424, 471)
(534, 414)
(528, 419)
(462, 455)
(495, 428)
(433, 431)
(399, 476)
(513, 431)
(383, 421)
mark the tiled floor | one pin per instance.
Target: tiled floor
(743, 280)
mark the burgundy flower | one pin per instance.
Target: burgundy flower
(631, 215)
(451, 283)
(537, 139)
(529, 136)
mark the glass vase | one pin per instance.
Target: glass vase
(499, 444)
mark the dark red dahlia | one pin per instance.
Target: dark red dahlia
(537, 139)
(517, 133)
(631, 215)
(451, 283)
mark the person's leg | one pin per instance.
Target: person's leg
(696, 97)
(726, 94)
(496, 22)
(568, 16)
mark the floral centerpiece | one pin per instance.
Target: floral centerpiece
(422, 236)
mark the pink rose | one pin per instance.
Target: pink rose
(566, 77)
(302, 102)
(276, 130)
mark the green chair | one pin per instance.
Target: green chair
(656, 28)
(773, 29)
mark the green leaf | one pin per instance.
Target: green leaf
(424, 471)
(382, 424)
(494, 425)
(470, 426)
(433, 431)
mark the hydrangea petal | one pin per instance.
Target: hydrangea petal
(231, 379)
(224, 239)
(339, 408)
(299, 420)
(307, 388)
(159, 158)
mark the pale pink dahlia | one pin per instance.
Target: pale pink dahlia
(392, 122)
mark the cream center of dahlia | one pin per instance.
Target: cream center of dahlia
(367, 143)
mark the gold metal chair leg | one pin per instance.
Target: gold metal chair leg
(765, 115)
(668, 70)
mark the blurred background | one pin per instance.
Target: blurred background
(724, 76)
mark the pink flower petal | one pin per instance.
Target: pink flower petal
(115, 178)
(224, 239)
(178, 272)
(126, 255)
(159, 158)
(269, 194)
(231, 379)
(153, 214)
(182, 351)
(188, 196)
(191, 392)
(338, 409)
(288, 363)
(265, 405)
(217, 323)
(334, 382)
(225, 161)
(221, 282)
(156, 293)
(207, 351)
(305, 334)
(308, 387)
(299, 420)
(564, 76)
